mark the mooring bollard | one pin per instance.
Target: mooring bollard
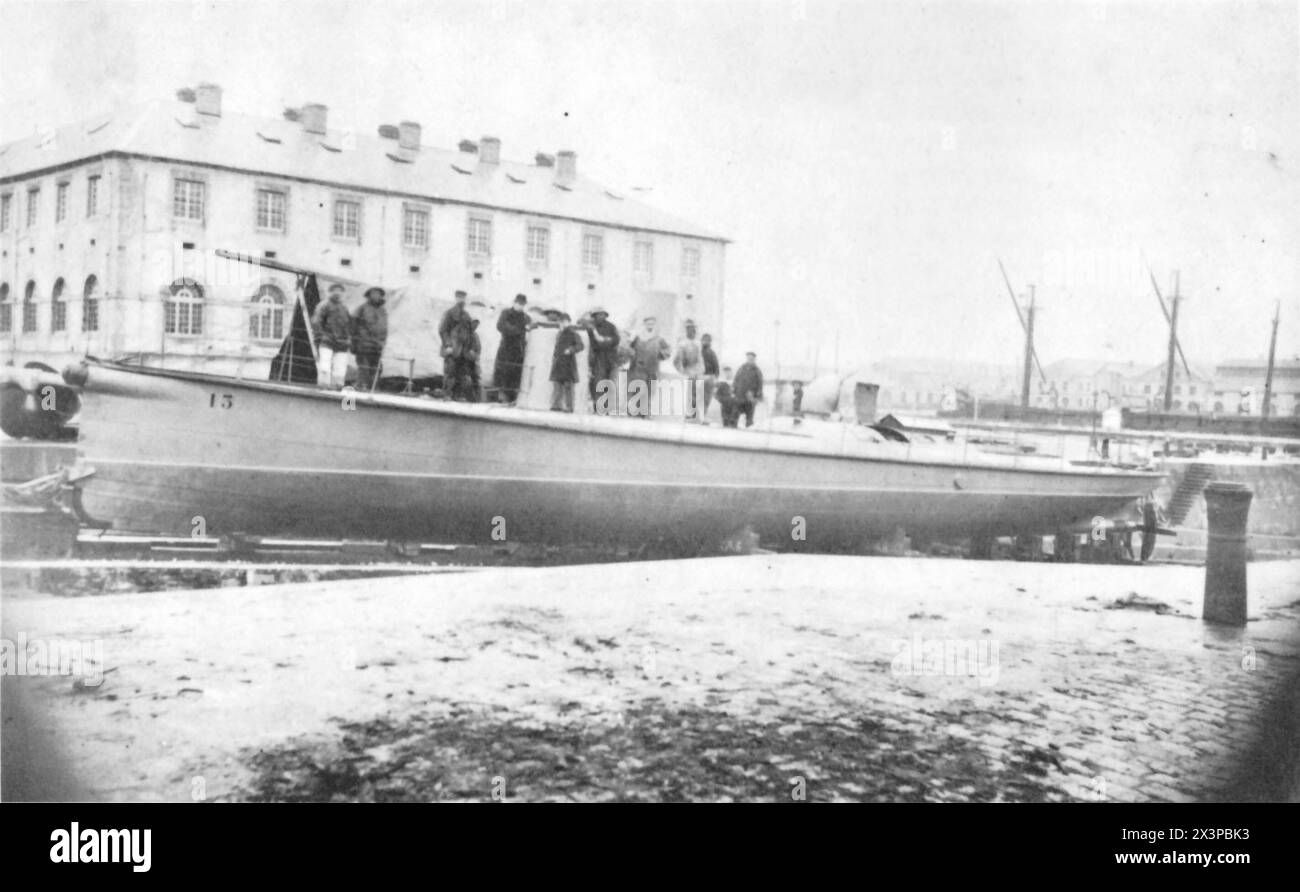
(1227, 507)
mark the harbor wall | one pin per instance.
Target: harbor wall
(1275, 510)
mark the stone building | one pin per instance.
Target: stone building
(110, 231)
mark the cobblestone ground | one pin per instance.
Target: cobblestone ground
(755, 678)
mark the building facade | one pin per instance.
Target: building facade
(1239, 387)
(115, 232)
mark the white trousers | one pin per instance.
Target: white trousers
(331, 367)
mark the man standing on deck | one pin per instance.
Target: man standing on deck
(331, 326)
(469, 369)
(602, 361)
(727, 400)
(564, 365)
(369, 334)
(513, 324)
(710, 361)
(648, 350)
(689, 361)
(456, 330)
(749, 387)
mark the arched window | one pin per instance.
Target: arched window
(266, 318)
(183, 308)
(6, 310)
(29, 308)
(58, 307)
(90, 305)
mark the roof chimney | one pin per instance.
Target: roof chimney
(207, 100)
(489, 150)
(566, 165)
(544, 160)
(408, 135)
(468, 146)
(313, 117)
(388, 131)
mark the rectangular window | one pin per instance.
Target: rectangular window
(347, 219)
(187, 199)
(415, 228)
(643, 258)
(539, 244)
(61, 203)
(33, 204)
(690, 263)
(270, 210)
(92, 196)
(480, 237)
(6, 211)
(593, 251)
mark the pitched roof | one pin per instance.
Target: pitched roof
(174, 131)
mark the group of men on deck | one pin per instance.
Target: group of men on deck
(365, 331)
(338, 333)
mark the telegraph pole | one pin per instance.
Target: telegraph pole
(1173, 347)
(1029, 351)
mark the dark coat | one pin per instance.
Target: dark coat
(331, 325)
(564, 362)
(604, 344)
(457, 332)
(647, 353)
(513, 325)
(749, 379)
(710, 360)
(369, 328)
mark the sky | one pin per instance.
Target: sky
(871, 162)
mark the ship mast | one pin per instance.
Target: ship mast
(1268, 377)
(1173, 347)
(1160, 298)
(1030, 358)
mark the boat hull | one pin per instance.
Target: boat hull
(181, 453)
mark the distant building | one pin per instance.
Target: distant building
(109, 228)
(1097, 384)
(1083, 384)
(1239, 386)
(1193, 394)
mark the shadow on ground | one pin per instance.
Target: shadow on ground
(653, 754)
